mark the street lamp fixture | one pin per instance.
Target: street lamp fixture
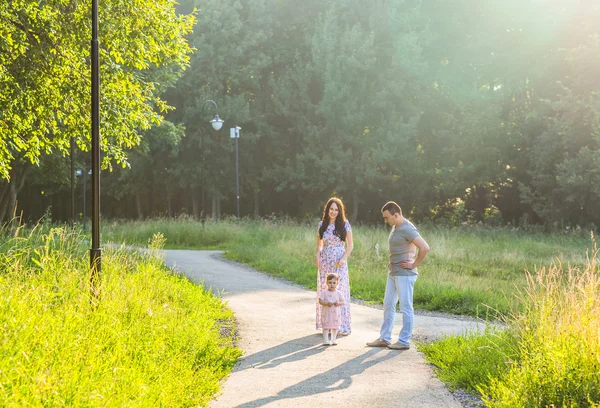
(216, 122)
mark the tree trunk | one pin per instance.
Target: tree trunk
(256, 203)
(195, 206)
(218, 208)
(10, 203)
(4, 193)
(354, 214)
(214, 206)
(151, 199)
(202, 197)
(480, 201)
(138, 205)
(10, 191)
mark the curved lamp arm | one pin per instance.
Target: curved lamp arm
(216, 122)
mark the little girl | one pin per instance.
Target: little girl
(331, 317)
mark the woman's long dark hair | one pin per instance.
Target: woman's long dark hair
(340, 228)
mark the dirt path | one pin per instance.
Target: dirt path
(284, 363)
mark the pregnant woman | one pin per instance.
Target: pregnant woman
(334, 246)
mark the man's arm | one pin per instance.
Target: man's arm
(423, 248)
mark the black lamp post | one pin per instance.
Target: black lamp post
(95, 250)
(72, 183)
(216, 123)
(234, 133)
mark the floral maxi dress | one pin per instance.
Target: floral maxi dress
(333, 250)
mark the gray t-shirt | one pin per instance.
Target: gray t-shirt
(401, 248)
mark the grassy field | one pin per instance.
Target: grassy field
(154, 338)
(545, 287)
(470, 271)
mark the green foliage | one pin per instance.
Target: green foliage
(564, 156)
(157, 241)
(44, 74)
(427, 103)
(155, 339)
(150, 168)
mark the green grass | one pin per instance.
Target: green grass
(549, 355)
(470, 271)
(181, 233)
(154, 339)
(468, 361)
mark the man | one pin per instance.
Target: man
(404, 240)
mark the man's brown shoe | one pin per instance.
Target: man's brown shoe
(398, 346)
(378, 343)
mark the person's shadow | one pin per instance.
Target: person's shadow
(327, 381)
(293, 350)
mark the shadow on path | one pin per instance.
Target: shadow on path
(293, 350)
(335, 379)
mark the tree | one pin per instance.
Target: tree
(366, 115)
(230, 66)
(44, 80)
(150, 173)
(562, 166)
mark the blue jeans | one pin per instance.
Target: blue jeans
(398, 288)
